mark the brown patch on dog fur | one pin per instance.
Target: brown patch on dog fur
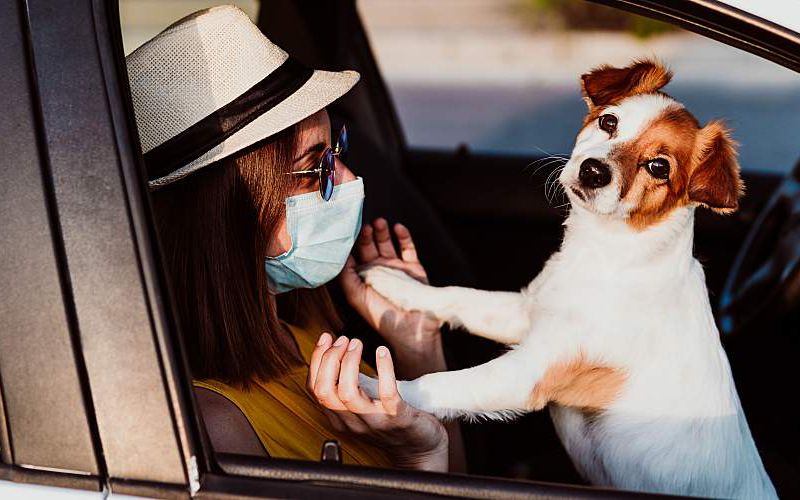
(715, 181)
(703, 168)
(671, 136)
(578, 383)
(607, 85)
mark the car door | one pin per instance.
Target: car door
(95, 387)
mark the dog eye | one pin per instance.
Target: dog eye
(608, 123)
(658, 168)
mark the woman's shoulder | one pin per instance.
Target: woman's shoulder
(239, 396)
(228, 428)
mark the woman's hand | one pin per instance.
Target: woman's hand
(414, 336)
(416, 440)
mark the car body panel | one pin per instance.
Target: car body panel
(46, 425)
(115, 338)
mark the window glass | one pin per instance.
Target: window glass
(502, 75)
(143, 19)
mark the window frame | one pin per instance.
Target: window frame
(223, 472)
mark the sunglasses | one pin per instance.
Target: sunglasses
(327, 165)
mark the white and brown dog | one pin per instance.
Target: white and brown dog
(616, 333)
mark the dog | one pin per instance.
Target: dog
(616, 334)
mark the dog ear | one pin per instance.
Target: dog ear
(606, 84)
(715, 181)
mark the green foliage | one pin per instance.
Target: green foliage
(644, 27)
(583, 15)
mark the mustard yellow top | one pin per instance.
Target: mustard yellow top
(289, 423)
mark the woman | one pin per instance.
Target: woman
(256, 212)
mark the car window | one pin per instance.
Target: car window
(143, 19)
(501, 76)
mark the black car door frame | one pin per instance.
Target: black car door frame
(130, 384)
(47, 436)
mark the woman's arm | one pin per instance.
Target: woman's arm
(415, 337)
(228, 429)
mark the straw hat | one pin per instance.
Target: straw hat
(212, 84)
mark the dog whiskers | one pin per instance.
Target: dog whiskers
(551, 184)
(561, 205)
(548, 160)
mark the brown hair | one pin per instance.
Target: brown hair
(215, 226)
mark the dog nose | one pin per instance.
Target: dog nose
(594, 173)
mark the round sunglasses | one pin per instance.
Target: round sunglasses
(327, 165)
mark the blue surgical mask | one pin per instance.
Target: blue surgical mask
(323, 234)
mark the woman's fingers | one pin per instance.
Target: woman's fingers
(383, 239)
(326, 386)
(316, 358)
(349, 393)
(327, 377)
(408, 252)
(365, 246)
(387, 383)
(333, 376)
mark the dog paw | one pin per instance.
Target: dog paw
(404, 388)
(409, 392)
(395, 285)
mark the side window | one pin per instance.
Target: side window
(501, 76)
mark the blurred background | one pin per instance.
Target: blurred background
(502, 75)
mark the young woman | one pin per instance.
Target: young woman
(256, 212)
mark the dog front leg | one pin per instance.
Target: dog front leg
(498, 316)
(499, 389)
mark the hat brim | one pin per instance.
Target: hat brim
(322, 89)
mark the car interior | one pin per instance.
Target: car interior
(464, 207)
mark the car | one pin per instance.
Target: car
(96, 392)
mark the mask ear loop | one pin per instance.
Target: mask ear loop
(289, 202)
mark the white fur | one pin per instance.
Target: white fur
(632, 300)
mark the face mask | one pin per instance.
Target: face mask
(323, 234)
